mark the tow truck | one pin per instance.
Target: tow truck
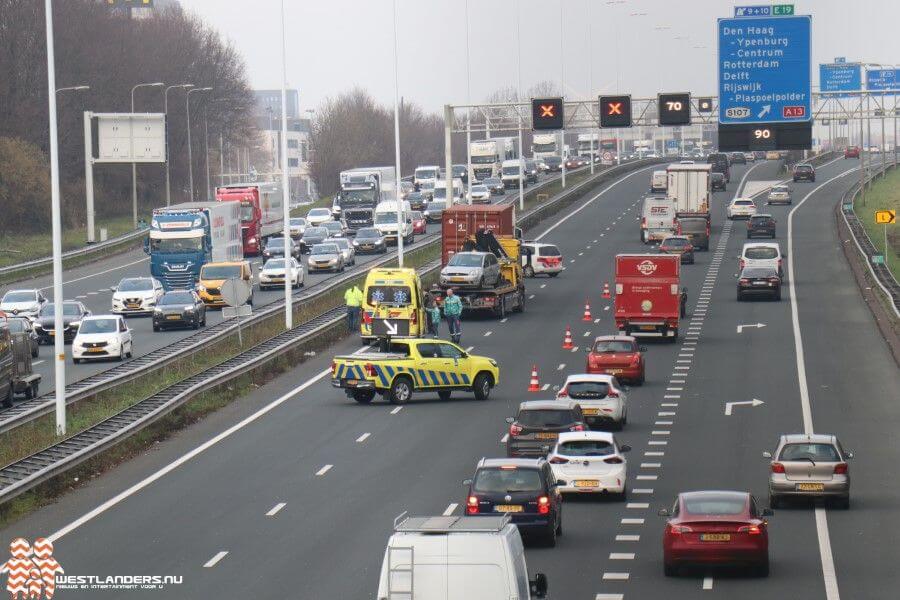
(396, 368)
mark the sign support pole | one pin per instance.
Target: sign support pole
(89, 176)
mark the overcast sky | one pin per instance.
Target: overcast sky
(333, 45)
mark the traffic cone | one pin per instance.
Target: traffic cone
(606, 294)
(534, 385)
(587, 312)
(567, 342)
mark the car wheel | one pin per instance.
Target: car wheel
(774, 501)
(740, 297)
(444, 395)
(553, 274)
(778, 295)
(559, 529)
(363, 396)
(529, 271)
(130, 350)
(121, 355)
(156, 328)
(670, 570)
(482, 386)
(196, 323)
(35, 352)
(401, 390)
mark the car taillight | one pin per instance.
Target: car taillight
(744, 280)
(751, 529)
(840, 469)
(558, 460)
(563, 393)
(515, 430)
(612, 394)
(578, 427)
(472, 505)
(773, 279)
(333, 368)
(370, 370)
(777, 468)
(613, 460)
(779, 263)
(643, 222)
(635, 360)
(544, 505)
(679, 529)
(742, 264)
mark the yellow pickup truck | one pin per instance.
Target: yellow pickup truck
(398, 368)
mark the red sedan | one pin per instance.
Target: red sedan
(617, 355)
(716, 528)
(418, 222)
(851, 152)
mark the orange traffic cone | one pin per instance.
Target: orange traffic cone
(534, 385)
(606, 294)
(567, 342)
(587, 312)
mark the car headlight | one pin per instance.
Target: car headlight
(355, 243)
(201, 287)
(189, 308)
(157, 311)
(493, 362)
(252, 240)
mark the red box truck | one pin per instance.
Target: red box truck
(262, 211)
(648, 294)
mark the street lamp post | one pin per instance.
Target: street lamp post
(134, 164)
(183, 86)
(74, 88)
(562, 90)
(285, 183)
(400, 214)
(469, 174)
(519, 111)
(187, 103)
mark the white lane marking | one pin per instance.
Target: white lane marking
(674, 389)
(663, 423)
(654, 453)
(215, 559)
(660, 432)
(591, 201)
(323, 470)
(572, 260)
(642, 491)
(99, 273)
(671, 396)
(274, 510)
(575, 349)
(581, 254)
(363, 438)
(829, 574)
(637, 505)
(674, 404)
(688, 361)
(37, 362)
(396, 410)
(587, 334)
(682, 368)
(487, 333)
(531, 297)
(505, 438)
(450, 508)
(616, 576)
(469, 349)
(596, 320)
(647, 477)
(628, 538)
(658, 442)
(503, 320)
(632, 521)
(676, 381)
(651, 465)
(561, 366)
(621, 556)
(80, 297)
(92, 293)
(606, 308)
(543, 285)
(666, 413)
(545, 387)
(707, 583)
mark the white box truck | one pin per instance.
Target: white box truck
(488, 155)
(688, 187)
(587, 142)
(544, 144)
(426, 174)
(457, 558)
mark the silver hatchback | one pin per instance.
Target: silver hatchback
(809, 466)
(472, 269)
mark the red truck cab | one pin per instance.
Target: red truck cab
(261, 212)
(648, 295)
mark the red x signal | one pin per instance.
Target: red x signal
(548, 110)
(614, 108)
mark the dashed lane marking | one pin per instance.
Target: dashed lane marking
(469, 349)
(561, 366)
(587, 334)
(545, 387)
(531, 297)
(396, 410)
(628, 538)
(647, 477)
(660, 432)
(637, 505)
(707, 583)
(503, 320)
(654, 453)
(615, 576)
(651, 465)
(450, 508)
(363, 438)
(215, 559)
(657, 442)
(505, 438)
(323, 470)
(663, 423)
(621, 556)
(274, 510)
(628, 521)
(642, 491)
(673, 404)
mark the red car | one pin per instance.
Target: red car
(716, 528)
(418, 222)
(617, 355)
(851, 152)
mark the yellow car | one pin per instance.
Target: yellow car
(393, 305)
(397, 368)
(214, 275)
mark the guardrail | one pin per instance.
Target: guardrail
(98, 248)
(880, 272)
(22, 475)
(28, 410)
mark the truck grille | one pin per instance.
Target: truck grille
(179, 281)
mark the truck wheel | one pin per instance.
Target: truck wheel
(363, 396)
(401, 390)
(520, 308)
(501, 310)
(482, 386)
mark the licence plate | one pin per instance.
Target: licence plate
(546, 436)
(760, 283)
(583, 483)
(173, 317)
(648, 327)
(508, 508)
(277, 280)
(590, 412)
(94, 350)
(715, 537)
(132, 305)
(811, 487)
(352, 381)
(457, 278)
(614, 371)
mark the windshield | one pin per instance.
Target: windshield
(70, 309)
(435, 206)
(485, 160)
(492, 181)
(465, 260)
(613, 346)
(298, 222)
(426, 173)
(743, 202)
(552, 160)
(275, 243)
(325, 249)
(780, 190)
(510, 170)
(332, 226)
(352, 197)
(367, 233)
(275, 263)
(247, 212)
(99, 326)
(814, 452)
(551, 147)
(548, 251)
(440, 193)
(194, 244)
(761, 253)
(586, 448)
(319, 212)
(19, 297)
(177, 298)
(135, 285)
(18, 325)
(220, 271)
(479, 189)
(504, 481)
(551, 417)
(386, 218)
(398, 295)
(315, 232)
(715, 504)
(584, 390)
(675, 242)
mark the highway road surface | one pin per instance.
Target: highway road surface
(291, 491)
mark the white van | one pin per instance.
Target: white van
(511, 173)
(456, 558)
(386, 220)
(658, 182)
(440, 190)
(657, 218)
(425, 174)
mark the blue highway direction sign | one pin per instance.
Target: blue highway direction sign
(882, 79)
(764, 70)
(840, 77)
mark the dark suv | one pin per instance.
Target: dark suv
(805, 172)
(720, 164)
(523, 488)
(717, 181)
(761, 226)
(738, 158)
(538, 425)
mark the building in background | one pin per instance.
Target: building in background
(140, 9)
(268, 120)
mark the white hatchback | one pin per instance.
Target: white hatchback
(602, 399)
(589, 462)
(762, 254)
(102, 336)
(546, 259)
(272, 274)
(742, 208)
(317, 216)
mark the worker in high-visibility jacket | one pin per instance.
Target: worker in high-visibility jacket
(353, 298)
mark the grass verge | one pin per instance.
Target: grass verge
(883, 195)
(19, 248)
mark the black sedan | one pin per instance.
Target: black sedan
(45, 323)
(179, 308)
(759, 281)
(313, 236)
(495, 185)
(22, 325)
(417, 200)
(369, 241)
(275, 247)
(761, 225)
(737, 158)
